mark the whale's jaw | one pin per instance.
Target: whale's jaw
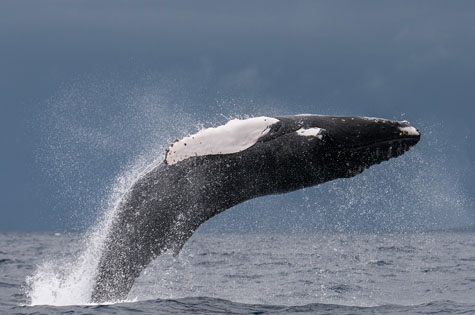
(362, 151)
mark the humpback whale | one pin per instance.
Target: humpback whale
(217, 168)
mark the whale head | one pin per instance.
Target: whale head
(315, 148)
(286, 153)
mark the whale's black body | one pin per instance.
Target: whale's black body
(166, 205)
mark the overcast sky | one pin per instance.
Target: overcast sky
(91, 89)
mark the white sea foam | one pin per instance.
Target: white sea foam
(70, 280)
(67, 278)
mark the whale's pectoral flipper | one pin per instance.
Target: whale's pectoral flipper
(217, 168)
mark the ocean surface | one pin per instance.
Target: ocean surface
(417, 273)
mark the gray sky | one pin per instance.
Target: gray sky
(90, 88)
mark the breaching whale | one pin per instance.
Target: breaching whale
(218, 168)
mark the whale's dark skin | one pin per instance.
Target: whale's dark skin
(166, 205)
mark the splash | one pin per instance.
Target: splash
(409, 185)
(85, 122)
(69, 280)
(418, 192)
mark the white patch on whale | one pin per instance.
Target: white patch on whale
(235, 136)
(310, 132)
(409, 131)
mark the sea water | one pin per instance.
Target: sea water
(244, 273)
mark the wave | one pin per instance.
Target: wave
(208, 305)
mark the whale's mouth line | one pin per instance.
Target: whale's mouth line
(404, 140)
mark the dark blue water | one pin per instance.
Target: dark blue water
(253, 273)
